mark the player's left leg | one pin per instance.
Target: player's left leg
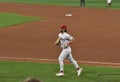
(72, 60)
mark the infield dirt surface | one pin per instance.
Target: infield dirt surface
(96, 33)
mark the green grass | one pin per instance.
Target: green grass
(11, 71)
(9, 19)
(89, 3)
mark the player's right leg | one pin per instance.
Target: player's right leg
(61, 58)
(71, 59)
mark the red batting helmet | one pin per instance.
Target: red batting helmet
(63, 27)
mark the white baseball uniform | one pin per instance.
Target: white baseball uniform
(66, 50)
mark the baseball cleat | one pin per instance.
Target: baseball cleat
(60, 74)
(79, 71)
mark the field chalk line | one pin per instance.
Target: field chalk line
(55, 60)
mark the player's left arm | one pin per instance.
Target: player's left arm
(70, 41)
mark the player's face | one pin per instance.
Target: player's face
(62, 30)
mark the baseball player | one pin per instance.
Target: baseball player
(64, 39)
(109, 2)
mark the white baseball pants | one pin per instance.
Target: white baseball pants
(66, 53)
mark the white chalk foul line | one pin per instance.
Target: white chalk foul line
(54, 60)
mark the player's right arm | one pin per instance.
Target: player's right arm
(57, 42)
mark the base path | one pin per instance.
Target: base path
(96, 32)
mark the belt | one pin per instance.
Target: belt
(65, 47)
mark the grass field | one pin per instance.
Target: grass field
(11, 71)
(89, 3)
(9, 19)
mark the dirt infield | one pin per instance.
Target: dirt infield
(96, 32)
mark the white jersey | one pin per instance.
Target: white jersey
(64, 39)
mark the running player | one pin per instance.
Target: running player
(64, 39)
